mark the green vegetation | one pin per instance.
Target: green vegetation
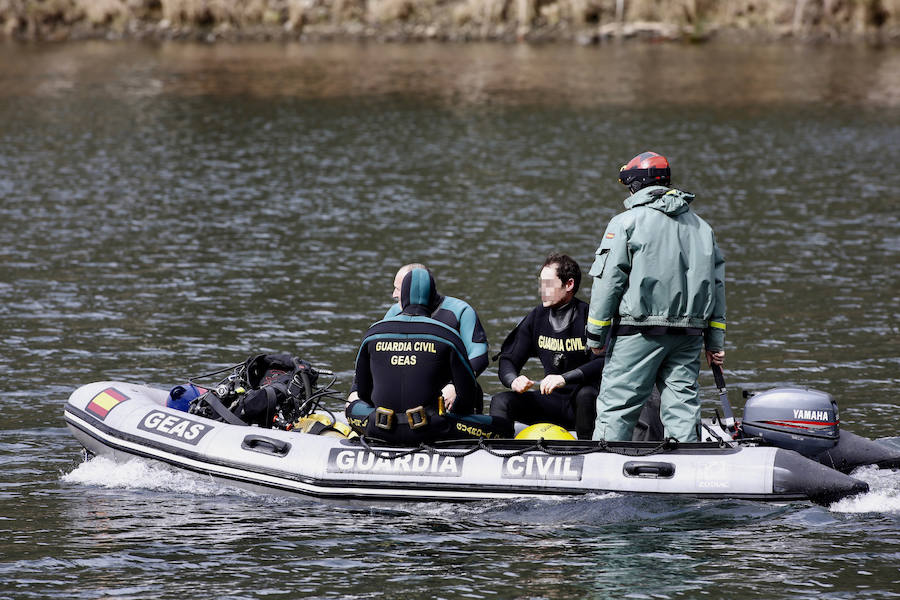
(453, 20)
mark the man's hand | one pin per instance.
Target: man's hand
(598, 351)
(449, 394)
(715, 358)
(353, 396)
(551, 382)
(521, 384)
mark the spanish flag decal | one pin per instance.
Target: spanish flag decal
(610, 235)
(105, 401)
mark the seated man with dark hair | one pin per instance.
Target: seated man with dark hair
(554, 332)
(403, 363)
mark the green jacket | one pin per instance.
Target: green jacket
(658, 264)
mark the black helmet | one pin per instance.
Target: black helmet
(647, 168)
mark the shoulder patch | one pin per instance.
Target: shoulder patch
(610, 235)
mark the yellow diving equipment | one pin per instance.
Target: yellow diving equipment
(547, 431)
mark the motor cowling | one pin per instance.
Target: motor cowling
(803, 420)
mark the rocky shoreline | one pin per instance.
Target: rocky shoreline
(584, 22)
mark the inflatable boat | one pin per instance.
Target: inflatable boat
(125, 421)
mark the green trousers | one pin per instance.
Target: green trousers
(638, 362)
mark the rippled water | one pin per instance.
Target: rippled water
(170, 209)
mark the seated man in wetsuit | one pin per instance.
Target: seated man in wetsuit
(554, 332)
(403, 363)
(454, 312)
(460, 316)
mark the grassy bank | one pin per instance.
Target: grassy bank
(583, 21)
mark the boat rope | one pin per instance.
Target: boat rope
(539, 446)
(712, 433)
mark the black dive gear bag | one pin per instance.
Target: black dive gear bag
(264, 390)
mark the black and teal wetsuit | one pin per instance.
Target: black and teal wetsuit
(556, 336)
(463, 319)
(403, 364)
(460, 316)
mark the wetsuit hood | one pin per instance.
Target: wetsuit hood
(666, 200)
(418, 293)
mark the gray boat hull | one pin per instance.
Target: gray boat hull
(125, 421)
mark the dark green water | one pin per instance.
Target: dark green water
(169, 210)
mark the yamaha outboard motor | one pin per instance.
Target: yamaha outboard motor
(806, 421)
(795, 419)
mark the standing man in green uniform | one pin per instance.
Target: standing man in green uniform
(659, 284)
